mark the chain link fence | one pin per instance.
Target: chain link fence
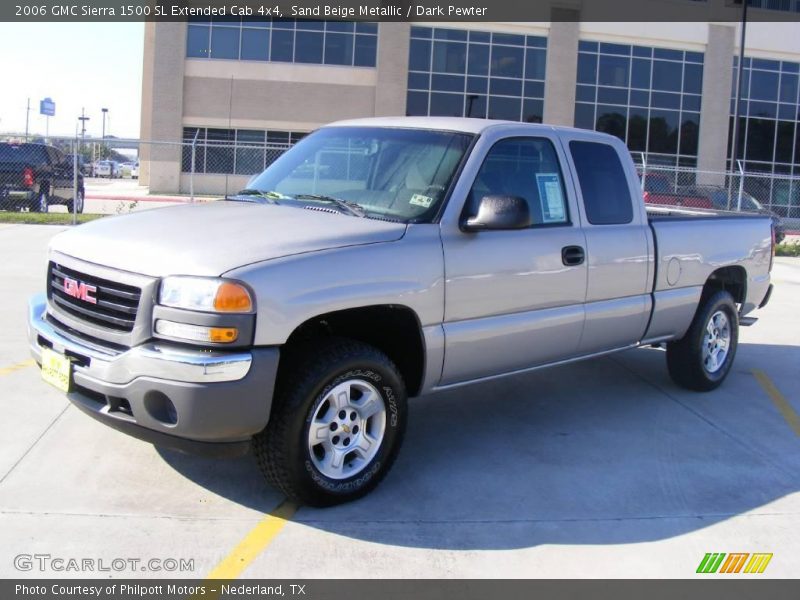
(78, 174)
(41, 174)
(738, 190)
(741, 191)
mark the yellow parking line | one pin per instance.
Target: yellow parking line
(792, 418)
(254, 543)
(17, 367)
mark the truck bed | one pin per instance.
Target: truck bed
(690, 244)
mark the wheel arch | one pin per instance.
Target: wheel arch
(732, 279)
(394, 329)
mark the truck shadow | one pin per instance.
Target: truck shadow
(602, 452)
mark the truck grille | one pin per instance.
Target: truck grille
(116, 303)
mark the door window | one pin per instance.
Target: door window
(527, 168)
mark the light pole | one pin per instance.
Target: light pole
(735, 128)
(104, 111)
(83, 118)
(27, 118)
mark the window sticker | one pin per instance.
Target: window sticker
(551, 197)
(420, 200)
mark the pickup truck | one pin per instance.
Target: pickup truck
(375, 260)
(36, 176)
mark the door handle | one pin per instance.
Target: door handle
(572, 256)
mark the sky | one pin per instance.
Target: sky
(91, 65)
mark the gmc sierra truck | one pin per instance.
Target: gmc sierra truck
(375, 260)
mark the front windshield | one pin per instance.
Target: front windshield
(400, 174)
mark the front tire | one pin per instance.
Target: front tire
(702, 359)
(337, 423)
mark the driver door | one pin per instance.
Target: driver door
(514, 298)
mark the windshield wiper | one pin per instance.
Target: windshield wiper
(270, 196)
(352, 208)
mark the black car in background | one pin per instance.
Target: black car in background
(35, 176)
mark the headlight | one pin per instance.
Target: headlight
(205, 294)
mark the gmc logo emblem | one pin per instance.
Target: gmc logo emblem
(81, 291)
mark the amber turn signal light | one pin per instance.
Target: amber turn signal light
(232, 297)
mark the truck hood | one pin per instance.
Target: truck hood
(215, 237)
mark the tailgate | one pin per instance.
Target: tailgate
(11, 176)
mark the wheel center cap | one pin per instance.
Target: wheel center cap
(346, 428)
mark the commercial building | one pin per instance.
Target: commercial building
(667, 89)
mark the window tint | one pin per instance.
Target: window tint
(647, 97)
(528, 168)
(255, 44)
(366, 49)
(308, 47)
(604, 186)
(224, 42)
(338, 49)
(475, 74)
(285, 40)
(197, 41)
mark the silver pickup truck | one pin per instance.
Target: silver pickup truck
(380, 259)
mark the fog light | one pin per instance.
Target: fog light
(197, 333)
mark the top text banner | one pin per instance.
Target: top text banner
(387, 10)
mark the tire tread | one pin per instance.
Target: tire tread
(684, 356)
(305, 366)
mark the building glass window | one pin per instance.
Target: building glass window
(285, 40)
(239, 151)
(338, 49)
(453, 72)
(648, 97)
(769, 116)
(255, 44)
(224, 42)
(198, 41)
(781, 5)
(768, 131)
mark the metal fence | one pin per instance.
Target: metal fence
(57, 171)
(740, 190)
(39, 174)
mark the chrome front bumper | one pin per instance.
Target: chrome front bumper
(200, 401)
(156, 360)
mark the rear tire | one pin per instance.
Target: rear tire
(72, 205)
(337, 423)
(702, 359)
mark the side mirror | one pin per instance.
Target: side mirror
(499, 212)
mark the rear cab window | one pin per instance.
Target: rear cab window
(603, 183)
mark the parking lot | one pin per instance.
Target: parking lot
(599, 469)
(112, 196)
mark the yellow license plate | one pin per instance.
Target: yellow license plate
(56, 369)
